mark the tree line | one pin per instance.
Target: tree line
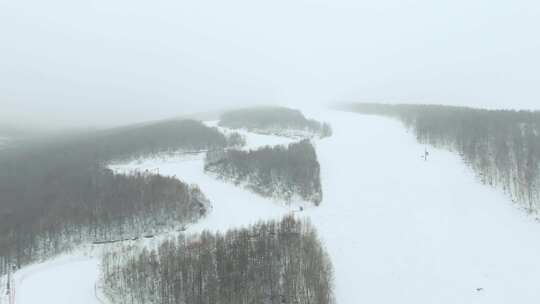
(283, 172)
(57, 192)
(275, 120)
(502, 146)
(274, 262)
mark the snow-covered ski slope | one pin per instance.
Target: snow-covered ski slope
(231, 206)
(398, 229)
(68, 279)
(403, 230)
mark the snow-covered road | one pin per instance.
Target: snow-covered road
(398, 229)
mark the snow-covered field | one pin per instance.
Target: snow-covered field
(398, 229)
(67, 279)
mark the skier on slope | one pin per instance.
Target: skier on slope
(426, 154)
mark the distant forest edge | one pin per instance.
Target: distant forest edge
(271, 262)
(4, 142)
(7, 130)
(275, 120)
(502, 146)
(127, 142)
(282, 172)
(57, 192)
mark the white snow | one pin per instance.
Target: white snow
(402, 230)
(66, 279)
(231, 206)
(398, 229)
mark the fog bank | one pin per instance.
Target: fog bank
(113, 62)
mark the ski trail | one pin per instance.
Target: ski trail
(403, 230)
(62, 280)
(67, 281)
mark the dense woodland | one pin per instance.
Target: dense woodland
(57, 192)
(271, 262)
(283, 172)
(275, 120)
(502, 146)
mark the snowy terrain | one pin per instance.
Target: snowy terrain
(67, 279)
(398, 229)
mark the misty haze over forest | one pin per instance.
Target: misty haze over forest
(278, 152)
(97, 63)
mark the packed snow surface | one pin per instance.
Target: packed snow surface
(398, 229)
(62, 280)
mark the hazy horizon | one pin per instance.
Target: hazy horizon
(96, 63)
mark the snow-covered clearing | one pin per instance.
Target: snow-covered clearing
(69, 278)
(231, 206)
(398, 229)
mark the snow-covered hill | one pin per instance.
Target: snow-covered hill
(402, 230)
(398, 229)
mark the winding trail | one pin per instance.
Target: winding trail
(62, 280)
(398, 229)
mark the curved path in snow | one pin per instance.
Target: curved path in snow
(63, 280)
(398, 229)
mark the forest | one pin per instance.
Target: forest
(272, 262)
(57, 192)
(275, 120)
(501, 146)
(282, 172)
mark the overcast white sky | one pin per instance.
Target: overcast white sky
(115, 61)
